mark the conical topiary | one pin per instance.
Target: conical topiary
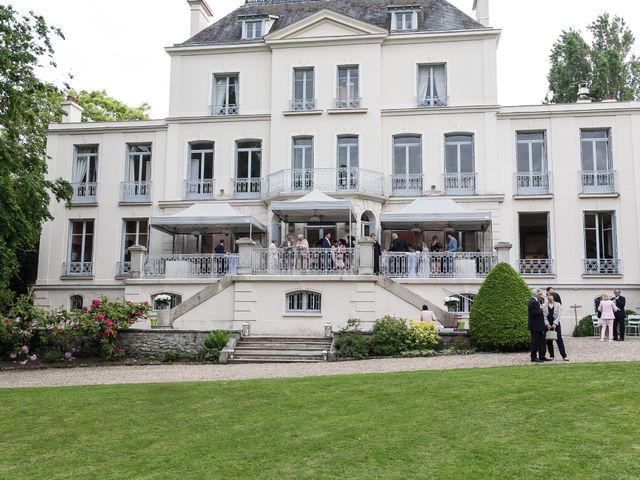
(498, 319)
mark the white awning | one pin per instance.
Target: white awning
(207, 218)
(313, 208)
(436, 214)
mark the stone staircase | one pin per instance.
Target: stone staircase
(263, 349)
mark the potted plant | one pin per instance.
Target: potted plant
(451, 303)
(162, 301)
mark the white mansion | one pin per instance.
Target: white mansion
(293, 117)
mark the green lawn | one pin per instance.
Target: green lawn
(534, 422)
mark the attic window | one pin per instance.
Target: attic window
(404, 20)
(252, 29)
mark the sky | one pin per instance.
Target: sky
(118, 45)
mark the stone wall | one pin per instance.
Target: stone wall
(188, 344)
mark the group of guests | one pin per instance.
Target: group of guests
(610, 311)
(297, 255)
(544, 312)
(399, 245)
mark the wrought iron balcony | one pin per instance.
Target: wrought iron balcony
(533, 183)
(602, 266)
(426, 102)
(190, 265)
(309, 261)
(347, 103)
(459, 183)
(302, 104)
(407, 185)
(136, 192)
(78, 269)
(325, 180)
(85, 192)
(536, 266)
(437, 265)
(247, 187)
(199, 189)
(598, 181)
(226, 109)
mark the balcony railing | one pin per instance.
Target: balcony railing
(426, 102)
(302, 104)
(533, 183)
(247, 187)
(123, 269)
(347, 103)
(78, 269)
(312, 261)
(536, 266)
(228, 109)
(602, 266)
(136, 192)
(190, 265)
(403, 185)
(437, 265)
(199, 189)
(85, 192)
(598, 181)
(459, 183)
(326, 180)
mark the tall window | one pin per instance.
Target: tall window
(248, 167)
(599, 235)
(226, 94)
(304, 301)
(432, 86)
(136, 232)
(535, 243)
(348, 87)
(302, 163)
(459, 164)
(252, 29)
(348, 163)
(531, 155)
(80, 253)
(407, 165)
(200, 181)
(139, 164)
(85, 172)
(404, 20)
(597, 165)
(303, 89)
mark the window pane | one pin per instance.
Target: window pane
(522, 152)
(399, 160)
(466, 158)
(530, 136)
(587, 155)
(537, 151)
(585, 134)
(602, 162)
(208, 165)
(415, 162)
(243, 164)
(590, 239)
(89, 226)
(590, 220)
(451, 158)
(256, 162)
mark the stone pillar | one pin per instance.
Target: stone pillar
(503, 249)
(366, 256)
(137, 260)
(245, 250)
(164, 318)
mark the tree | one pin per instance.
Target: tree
(27, 106)
(498, 318)
(607, 66)
(100, 107)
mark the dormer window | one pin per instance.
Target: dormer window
(254, 27)
(405, 20)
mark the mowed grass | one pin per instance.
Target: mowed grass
(533, 422)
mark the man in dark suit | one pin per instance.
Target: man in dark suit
(377, 251)
(397, 244)
(618, 322)
(537, 327)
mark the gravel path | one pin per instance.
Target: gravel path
(580, 350)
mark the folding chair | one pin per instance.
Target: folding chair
(633, 325)
(596, 325)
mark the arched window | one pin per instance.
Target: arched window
(176, 300)
(407, 165)
(76, 302)
(200, 171)
(459, 164)
(304, 301)
(302, 164)
(248, 167)
(465, 300)
(367, 224)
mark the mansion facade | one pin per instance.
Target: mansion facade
(349, 117)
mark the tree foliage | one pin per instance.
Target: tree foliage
(100, 107)
(498, 318)
(607, 66)
(27, 106)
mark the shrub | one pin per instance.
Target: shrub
(498, 317)
(584, 328)
(214, 343)
(171, 356)
(52, 356)
(351, 342)
(419, 353)
(389, 336)
(422, 336)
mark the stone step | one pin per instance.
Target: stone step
(280, 353)
(281, 346)
(273, 360)
(287, 339)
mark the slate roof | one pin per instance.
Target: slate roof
(434, 15)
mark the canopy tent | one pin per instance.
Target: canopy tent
(206, 218)
(314, 205)
(436, 214)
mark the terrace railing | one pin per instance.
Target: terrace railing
(437, 265)
(136, 192)
(536, 266)
(326, 180)
(199, 189)
(407, 185)
(598, 181)
(460, 183)
(602, 266)
(532, 183)
(190, 265)
(85, 192)
(312, 261)
(77, 269)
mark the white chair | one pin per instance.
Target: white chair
(596, 325)
(633, 325)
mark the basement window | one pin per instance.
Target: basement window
(304, 301)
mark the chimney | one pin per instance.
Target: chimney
(200, 15)
(481, 7)
(72, 111)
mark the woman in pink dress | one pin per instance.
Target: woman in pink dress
(607, 310)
